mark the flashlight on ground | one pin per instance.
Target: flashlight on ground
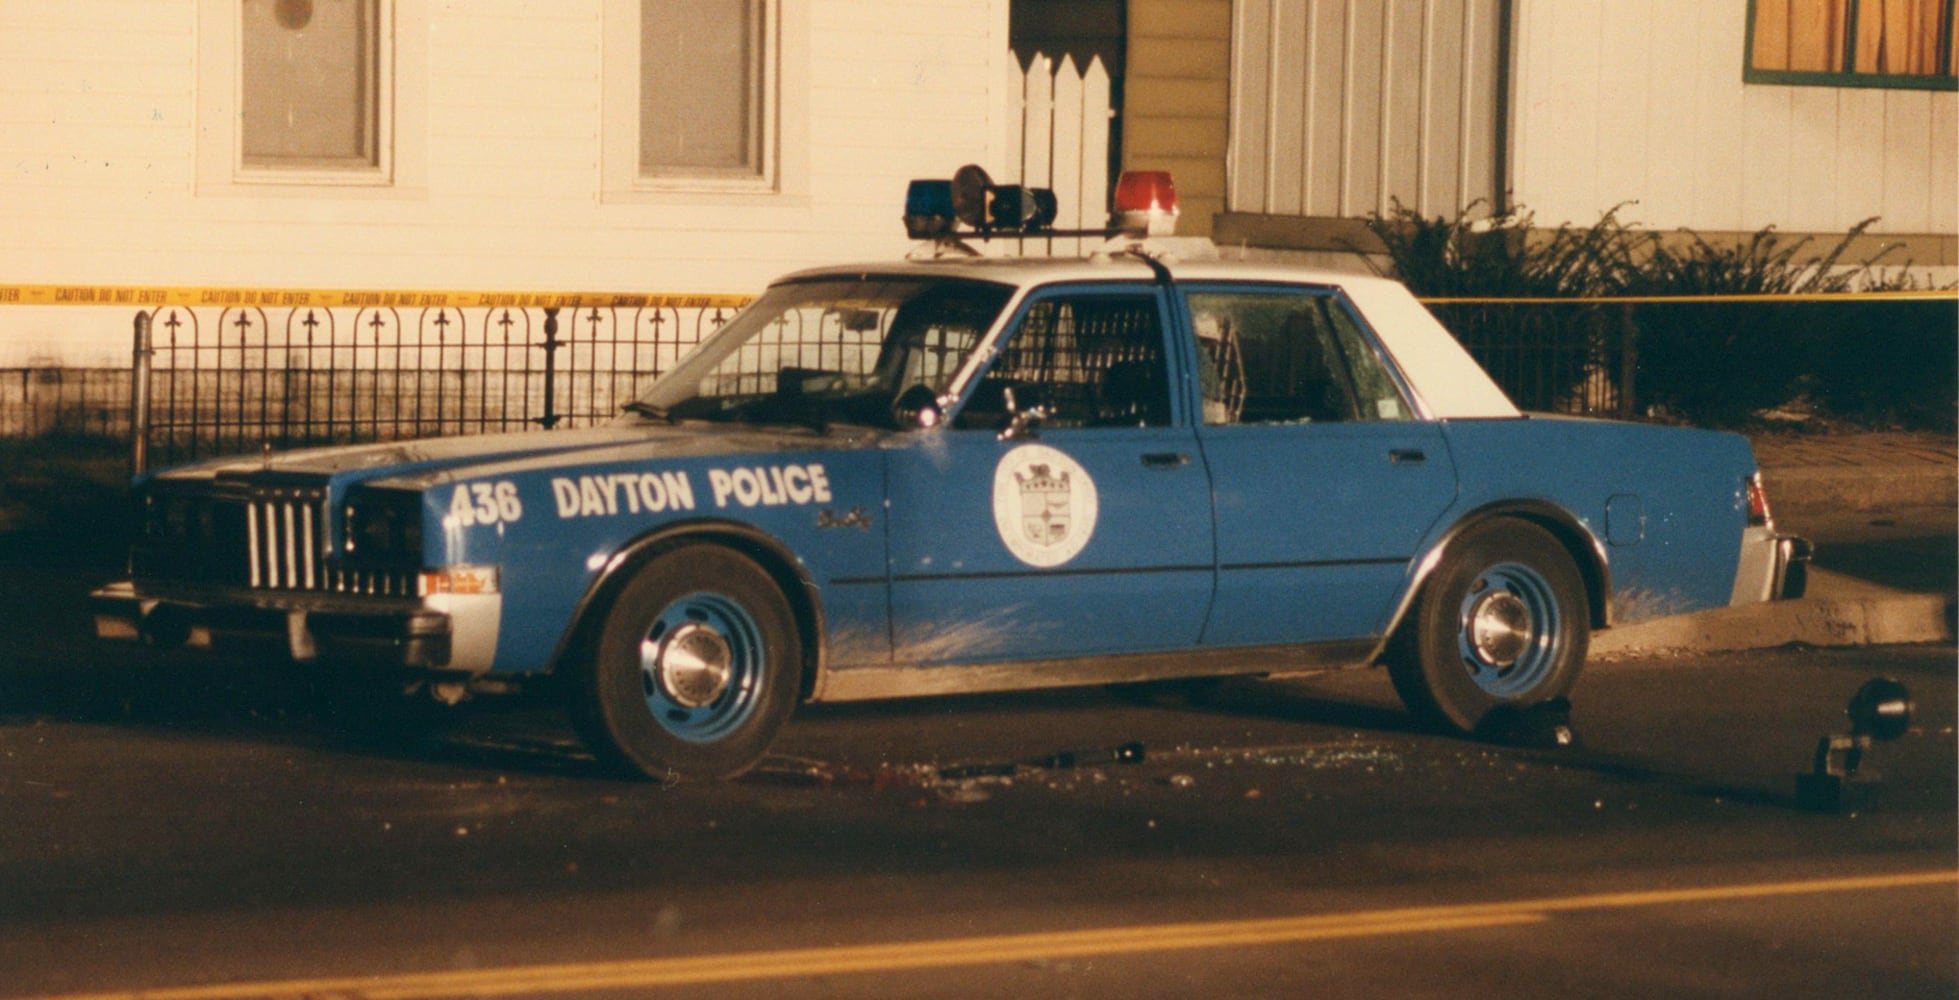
(1880, 711)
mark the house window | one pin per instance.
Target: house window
(703, 108)
(1852, 43)
(312, 98)
(705, 100)
(309, 84)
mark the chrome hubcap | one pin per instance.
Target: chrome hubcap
(1500, 628)
(692, 664)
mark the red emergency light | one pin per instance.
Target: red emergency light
(1146, 203)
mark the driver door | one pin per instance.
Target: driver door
(1086, 533)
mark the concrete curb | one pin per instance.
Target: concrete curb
(1886, 619)
(1805, 490)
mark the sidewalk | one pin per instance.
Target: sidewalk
(1883, 511)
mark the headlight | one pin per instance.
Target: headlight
(383, 527)
(178, 517)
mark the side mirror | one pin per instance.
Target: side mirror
(917, 409)
(1024, 415)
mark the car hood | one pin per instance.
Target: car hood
(426, 462)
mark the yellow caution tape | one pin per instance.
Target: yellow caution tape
(151, 297)
(1648, 300)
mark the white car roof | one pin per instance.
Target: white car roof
(1447, 382)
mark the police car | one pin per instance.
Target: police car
(967, 472)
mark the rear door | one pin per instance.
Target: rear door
(1324, 481)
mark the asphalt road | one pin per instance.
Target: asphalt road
(202, 831)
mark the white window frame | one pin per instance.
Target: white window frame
(401, 97)
(783, 176)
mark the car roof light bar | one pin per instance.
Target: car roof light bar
(971, 206)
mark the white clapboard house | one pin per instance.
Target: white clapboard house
(698, 147)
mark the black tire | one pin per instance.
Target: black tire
(694, 669)
(1502, 624)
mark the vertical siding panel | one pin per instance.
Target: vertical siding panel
(1366, 41)
(1812, 163)
(1671, 136)
(1945, 164)
(1860, 181)
(1480, 113)
(1252, 105)
(1624, 102)
(1566, 125)
(1907, 164)
(1446, 119)
(1285, 177)
(1327, 109)
(1401, 84)
(1766, 144)
(1718, 115)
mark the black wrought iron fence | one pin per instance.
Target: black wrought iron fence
(43, 400)
(237, 379)
(215, 380)
(1554, 357)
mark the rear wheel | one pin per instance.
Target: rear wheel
(1502, 624)
(695, 668)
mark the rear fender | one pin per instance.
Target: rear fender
(1587, 552)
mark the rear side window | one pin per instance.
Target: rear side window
(1278, 357)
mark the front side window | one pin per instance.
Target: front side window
(1270, 357)
(830, 352)
(1852, 43)
(1089, 360)
(310, 85)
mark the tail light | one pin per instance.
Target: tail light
(1758, 502)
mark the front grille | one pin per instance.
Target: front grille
(264, 537)
(284, 543)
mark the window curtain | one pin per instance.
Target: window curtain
(1893, 37)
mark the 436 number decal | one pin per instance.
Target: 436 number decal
(485, 503)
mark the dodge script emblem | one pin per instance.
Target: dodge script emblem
(1044, 504)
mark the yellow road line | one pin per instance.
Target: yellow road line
(344, 298)
(952, 952)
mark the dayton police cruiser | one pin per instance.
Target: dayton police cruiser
(962, 473)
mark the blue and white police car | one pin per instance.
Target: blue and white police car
(963, 473)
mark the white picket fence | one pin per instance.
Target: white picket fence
(1062, 141)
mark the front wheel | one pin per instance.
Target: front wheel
(695, 668)
(1502, 624)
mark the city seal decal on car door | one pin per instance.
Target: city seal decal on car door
(1044, 504)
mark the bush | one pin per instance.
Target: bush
(1875, 360)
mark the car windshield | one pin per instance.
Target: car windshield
(830, 351)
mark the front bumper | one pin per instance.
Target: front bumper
(384, 631)
(1773, 567)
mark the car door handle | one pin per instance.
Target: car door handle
(1407, 456)
(1165, 460)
